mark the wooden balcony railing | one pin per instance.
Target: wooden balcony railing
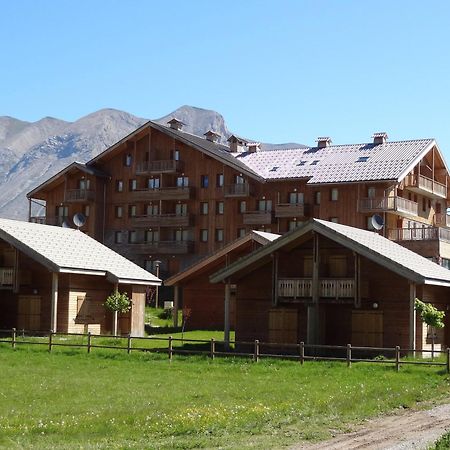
(257, 218)
(419, 234)
(79, 195)
(426, 184)
(163, 166)
(329, 287)
(441, 220)
(385, 204)
(290, 210)
(236, 190)
(6, 276)
(162, 220)
(161, 247)
(163, 193)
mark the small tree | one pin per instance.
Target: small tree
(118, 302)
(432, 317)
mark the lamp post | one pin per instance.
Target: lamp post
(157, 264)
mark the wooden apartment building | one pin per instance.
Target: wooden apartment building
(163, 196)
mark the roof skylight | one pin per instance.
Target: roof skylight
(362, 159)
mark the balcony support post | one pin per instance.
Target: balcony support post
(176, 304)
(313, 309)
(412, 317)
(54, 310)
(226, 321)
(274, 279)
(357, 291)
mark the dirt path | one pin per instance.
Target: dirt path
(409, 430)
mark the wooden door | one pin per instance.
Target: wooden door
(283, 326)
(29, 312)
(367, 328)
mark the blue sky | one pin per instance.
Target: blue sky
(279, 71)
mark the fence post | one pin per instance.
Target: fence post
(13, 338)
(448, 360)
(89, 342)
(50, 339)
(213, 348)
(170, 348)
(349, 355)
(302, 353)
(397, 358)
(129, 343)
(256, 353)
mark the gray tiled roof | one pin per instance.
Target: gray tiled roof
(68, 250)
(367, 243)
(338, 163)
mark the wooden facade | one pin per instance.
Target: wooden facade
(155, 196)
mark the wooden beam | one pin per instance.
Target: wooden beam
(275, 279)
(313, 309)
(412, 317)
(226, 319)
(176, 304)
(54, 310)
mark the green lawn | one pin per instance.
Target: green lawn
(108, 399)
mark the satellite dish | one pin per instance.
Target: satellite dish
(447, 211)
(377, 222)
(65, 224)
(79, 220)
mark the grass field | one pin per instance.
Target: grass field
(108, 399)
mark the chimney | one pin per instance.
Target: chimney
(380, 138)
(253, 147)
(175, 124)
(212, 136)
(237, 144)
(323, 142)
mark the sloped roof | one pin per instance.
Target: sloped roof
(369, 244)
(339, 163)
(261, 237)
(66, 250)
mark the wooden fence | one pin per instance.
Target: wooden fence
(300, 352)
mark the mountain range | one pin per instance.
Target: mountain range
(32, 152)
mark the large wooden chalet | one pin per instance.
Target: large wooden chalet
(163, 196)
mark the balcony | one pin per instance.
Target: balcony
(400, 205)
(329, 288)
(163, 193)
(289, 210)
(236, 190)
(6, 277)
(257, 218)
(79, 195)
(419, 234)
(158, 247)
(163, 166)
(38, 219)
(419, 183)
(441, 220)
(161, 220)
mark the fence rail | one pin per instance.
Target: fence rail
(251, 349)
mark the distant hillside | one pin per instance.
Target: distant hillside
(32, 152)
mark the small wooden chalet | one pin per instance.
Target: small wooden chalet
(205, 301)
(328, 283)
(54, 278)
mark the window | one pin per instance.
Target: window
(182, 235)
(62, 212)
(152, 236)
(242, 206)
(334, 219)
(219, 235)
(334, 194)
(176, 155)
(84, 184)
(293, 224)
(204, 235)
(317, 198)
(83, 310)
(132, 237)
(119, 212)
(118, 237)
(219, 180)
(204, 181)
(86, 210)
(239, 179)
(204, 208)
(132, 211)
(153, 183)
(152, 210)
(371, 192)
(424, 204)
(265, 205)
(438, 208)
(296, 198)
(241, 232)
(182, 181)
(128, 160)
(220, 207)
(119, 185)
(181, 209)
(132, 185)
